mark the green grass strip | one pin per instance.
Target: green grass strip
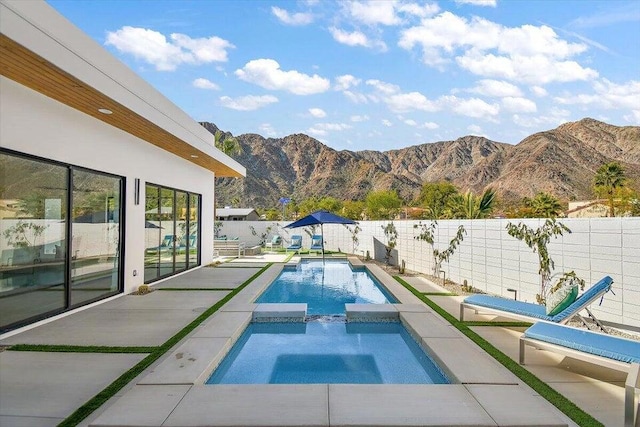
(287, 259)
(569, 408)
(502, 324)
(79, 348)
(440, 294)
(99, 399)
(195, 289)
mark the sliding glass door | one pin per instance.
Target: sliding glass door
(60, 237)
(171, 232)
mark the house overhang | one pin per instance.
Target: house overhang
(41, 50)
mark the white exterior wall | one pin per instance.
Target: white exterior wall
(492, 261)
(35, 124)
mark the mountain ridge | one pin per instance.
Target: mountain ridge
(561, 161)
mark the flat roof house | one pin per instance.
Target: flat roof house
(106, 184)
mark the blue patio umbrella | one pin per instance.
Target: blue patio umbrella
(320, 217)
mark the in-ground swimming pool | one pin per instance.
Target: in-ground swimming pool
(327, 352)
(325, 286)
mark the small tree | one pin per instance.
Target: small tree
(427, 233)
(19, 236)
(538, 240)
(391, 235)
(354, 236)
(263, 235)
(217, 226)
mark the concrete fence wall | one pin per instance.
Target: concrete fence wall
(492, 261)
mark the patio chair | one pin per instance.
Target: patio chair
(182, 248)
(296, 243)
(603, 350)
(528, 311)
(316, 243)
(276, 242)
(166, 245)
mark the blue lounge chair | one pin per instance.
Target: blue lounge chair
(592, 347)
(166, 245)
(528, 311)
(296, 243)
(316, 243)
(192, 244)
(276, 242)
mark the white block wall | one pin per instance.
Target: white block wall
(491, 260)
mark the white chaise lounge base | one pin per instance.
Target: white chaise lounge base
(604, 350)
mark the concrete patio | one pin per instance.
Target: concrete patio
(43, 388)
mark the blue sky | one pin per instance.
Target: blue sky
(380, 75)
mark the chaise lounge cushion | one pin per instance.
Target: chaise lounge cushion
(612, 347)
(539, 311)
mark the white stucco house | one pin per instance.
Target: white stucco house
(107, 183)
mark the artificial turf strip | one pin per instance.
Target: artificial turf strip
(99, 399)
(79, 348)
(569, 408)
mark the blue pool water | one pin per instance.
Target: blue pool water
(326, 287)
(321, 353)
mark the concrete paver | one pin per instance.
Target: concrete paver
(189, 363)
(224, 325)
(404, 405)
(209, 277)
(253, 405)
(54, 385)
(143, 406)
(516, 406)
(422, 284)
(135, 324)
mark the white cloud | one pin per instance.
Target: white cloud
(491, 3)
(345, 82)
(266, 73)
(166, 55)
(358, 118)
(201, 83)
(403, 102)
(317, 112)
(429, 125)
(633, 117)
(355, 97)
(421, 11)
(373, 12)
(530, 54)
(292, 18)
(356, 38)
(477, 130)
(247, 103)
(535, 70)
(555, 117)
(519, 105)
(496, 88)
(322, 129)
(607, 95)
(471, 107)
(538, 91)
(267, 129)
(410, 122)
(387, 123)
(385, 88)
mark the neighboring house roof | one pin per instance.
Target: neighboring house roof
(225, 212)
(44, 51)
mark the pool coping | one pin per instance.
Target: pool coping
(482, 393)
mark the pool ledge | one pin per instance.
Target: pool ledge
(483, 393)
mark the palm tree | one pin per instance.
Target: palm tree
(608, 178)
(227, 144)
(471, 206)
(544, 205)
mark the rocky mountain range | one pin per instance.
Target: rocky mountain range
(560, 161)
